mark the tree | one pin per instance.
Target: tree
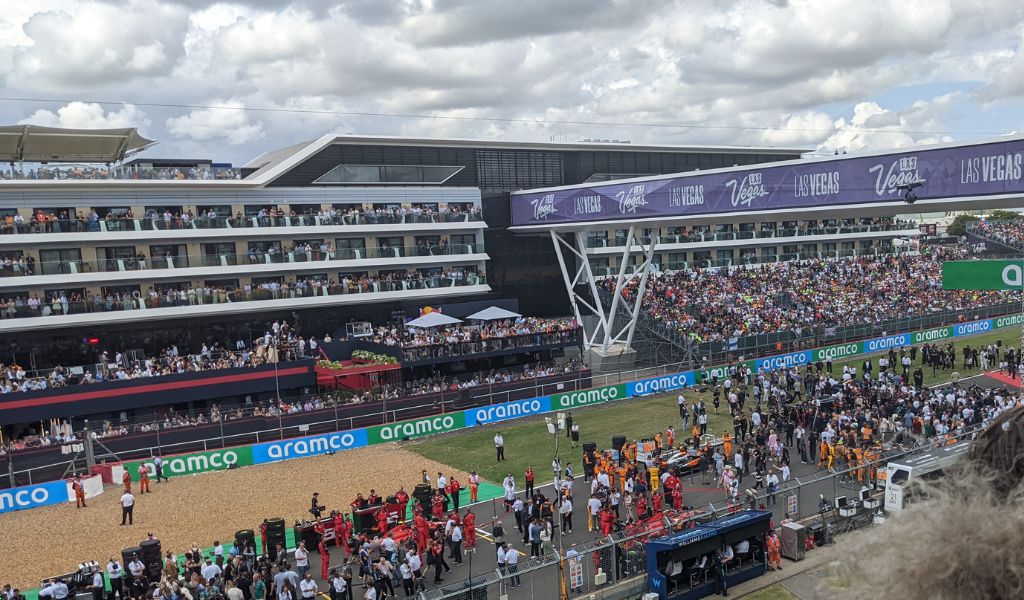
(958, 227)
(1004, 215)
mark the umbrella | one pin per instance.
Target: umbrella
(433, 319)
(493, 314)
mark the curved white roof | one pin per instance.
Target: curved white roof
(32, 143)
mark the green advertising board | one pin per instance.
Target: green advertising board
(983, 275)
(198, 462)
(396, 432)
(588, 397)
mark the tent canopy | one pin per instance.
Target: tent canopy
(493, 313)
(433, 319)
(33, 143)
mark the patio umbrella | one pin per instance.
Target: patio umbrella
(493, 313)
(432, 319)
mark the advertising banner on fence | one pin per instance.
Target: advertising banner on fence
(1010, 321)
(33, 496)
(665, 383)
(397, 432)
(588, 397)
(506, 410)
(199, 462)
(932, 335)
(784, 361)
(313, 445)
(983, 275)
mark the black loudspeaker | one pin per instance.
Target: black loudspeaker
(129, 554)
(618, 441)
(424, 494)
(246, 536)
(150, 550)
(820, 533)
(589, 447)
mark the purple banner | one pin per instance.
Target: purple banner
(975, 170)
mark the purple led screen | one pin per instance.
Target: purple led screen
(983, 169)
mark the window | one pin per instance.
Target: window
(167, 256)
(227, 284)
(219, 254)
(518, 169)
(464, 242)
(116, 258)
(221, 210)
(59, 261)
(388, 174)
(124, 290)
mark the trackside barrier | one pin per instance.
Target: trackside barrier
(45, 494)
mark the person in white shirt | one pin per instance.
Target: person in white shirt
(455, 541)
(136, 567)
(301, 560)
(127, 508)
(502, 558)
(565, 510)
(210, 571)
(512, 564)
(499, 446)
(115, 573)
(55, 590)
(594, 509)
(307, 587)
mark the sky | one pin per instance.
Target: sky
(229, 80)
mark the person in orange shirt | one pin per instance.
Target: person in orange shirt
(670, 437)
(143, 479)
(127, 480)
(79, 488)
(474, 486)
(774, 556)
(727, 445)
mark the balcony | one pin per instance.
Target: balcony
(534, 342)
(142, 268)
(734, 239)
(178, 223)
(41, 313)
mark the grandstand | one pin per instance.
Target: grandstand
(355, 291)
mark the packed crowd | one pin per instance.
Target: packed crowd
(62, 303)
(840, 420)
(712, 304)
(64, 221)
(120, 172)
(1008, 233)
(172, 419)
(277, 344)
(413, 337)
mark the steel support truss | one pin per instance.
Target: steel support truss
(608, 332)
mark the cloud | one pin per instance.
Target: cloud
(81, 115)
(227, 123)
(71, 48)
(785, 72)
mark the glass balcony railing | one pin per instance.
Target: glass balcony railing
(22, 268)
(724, 236)
(26, 307)
(174, 223)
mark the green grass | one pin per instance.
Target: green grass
(772, 592)
(527, 441)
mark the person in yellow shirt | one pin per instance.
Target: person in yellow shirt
(655, 480)
(831, 455)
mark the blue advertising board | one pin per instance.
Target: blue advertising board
(33, 496)
(313, 445)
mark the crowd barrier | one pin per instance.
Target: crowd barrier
(45, 494)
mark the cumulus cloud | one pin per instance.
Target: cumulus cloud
(805, 73)
(225, 123)
(81, 45)
(81, 115)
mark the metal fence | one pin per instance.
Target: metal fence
(621, 557)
